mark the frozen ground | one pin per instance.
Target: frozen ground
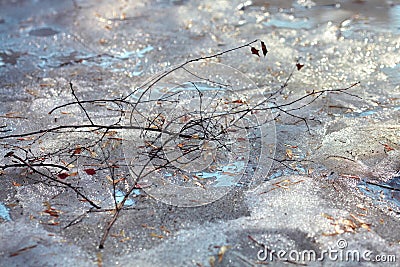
(339, 191)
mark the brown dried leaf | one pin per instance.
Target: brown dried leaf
(289, 153)
(338, 229)
(99, 259)
(299, 66)
(111, 133)
(32, 92)
(222, 252)
(90, 171)
(361, 206)
(366, 226)
(349, 223)
(147, 226)
(46, 85)
(120, 234)
(119, 180)
(62, 175)
(77, 151)
(255, 51)
(156, 235)
(143, 185)
(16, 184)
(357, 219)
(329, 217)
(264, 48)
(388, 148)
(52, 222)
(212, 261)
(163, 228)
(52, 212)
(200, 185)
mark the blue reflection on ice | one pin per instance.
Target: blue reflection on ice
(119, 196)
(382, 192)
(227, 176)
(4, 212)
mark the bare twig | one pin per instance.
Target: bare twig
(27, 164)
(79, 103)
(205, 124)
(3, 167)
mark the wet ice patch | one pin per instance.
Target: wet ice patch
(125, 61)
(9, 57)
(129, 54)
(362, 151)
(59, 59)
(298, 170)
(138, 68)
(4, 212)
(119, 196)
(386, 191)
(202, 87)
(43, 32)
(226, 176)
(145, 50)
(364, 113)
(393, 73)
(24, 243)
(288, 21)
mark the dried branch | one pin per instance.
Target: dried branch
(204, 125)
(27, 164)
(79, 103)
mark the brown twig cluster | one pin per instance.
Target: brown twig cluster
(168, 144)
